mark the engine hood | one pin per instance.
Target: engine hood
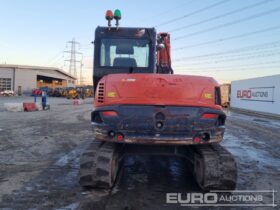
(156, 89)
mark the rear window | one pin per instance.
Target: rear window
(124, 53)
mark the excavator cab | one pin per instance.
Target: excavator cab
(124, 50)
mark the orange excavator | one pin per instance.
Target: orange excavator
(140, 106)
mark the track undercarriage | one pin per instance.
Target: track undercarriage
(213, 166)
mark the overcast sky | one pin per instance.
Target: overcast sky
(226, 39)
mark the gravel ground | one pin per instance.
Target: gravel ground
(39, 162)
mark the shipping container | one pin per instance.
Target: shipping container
(225, 95)
(258, 94)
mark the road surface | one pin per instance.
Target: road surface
(39, 162)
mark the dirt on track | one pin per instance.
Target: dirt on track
(39, 162)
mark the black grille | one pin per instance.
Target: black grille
(101, 92)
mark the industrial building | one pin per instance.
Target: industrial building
(260, 95)
(22, 79)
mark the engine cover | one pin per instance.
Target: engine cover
(157, 89)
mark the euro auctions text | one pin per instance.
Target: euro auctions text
(224, 198)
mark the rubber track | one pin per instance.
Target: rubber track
(96, 165)
(219, 168)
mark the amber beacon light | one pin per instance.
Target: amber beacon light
(109, 16)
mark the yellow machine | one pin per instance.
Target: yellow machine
(88, 92)
(72, 93)
(78, 92)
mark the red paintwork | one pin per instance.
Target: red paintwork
(157, 89)
(29, 107)
(38, 92)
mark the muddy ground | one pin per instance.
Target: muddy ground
(39, 162)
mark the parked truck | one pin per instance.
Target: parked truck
(225, 95)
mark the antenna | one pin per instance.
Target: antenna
(81, 72)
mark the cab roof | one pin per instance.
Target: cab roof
(136, 32)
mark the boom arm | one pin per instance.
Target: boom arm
(163, 55)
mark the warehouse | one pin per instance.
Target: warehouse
(22, 79)
(258, 95)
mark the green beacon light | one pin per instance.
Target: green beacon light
(117, 16)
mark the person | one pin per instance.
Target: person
(44, 99)
(35, 96)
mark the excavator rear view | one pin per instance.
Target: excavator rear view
(140, 106)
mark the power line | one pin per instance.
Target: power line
(226, 55)
(230, 37)
(57, 60)
(230, 23)
(248, 48)
(227, 67)
(86, 48)
(239, 69)
(81, 71)
(223, 15)
(238, 59)
(54, 58)
(194, 12)
(167, 11)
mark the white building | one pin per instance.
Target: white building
(22, 79)
(258, 94)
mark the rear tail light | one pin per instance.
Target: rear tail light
(120, 137)
(109, 114)
(197, 139)
(202, 137)
(209, 116)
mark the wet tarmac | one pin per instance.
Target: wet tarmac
(44, 173)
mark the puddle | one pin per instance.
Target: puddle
(262, 121)
(243, 150)
(72, 206)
